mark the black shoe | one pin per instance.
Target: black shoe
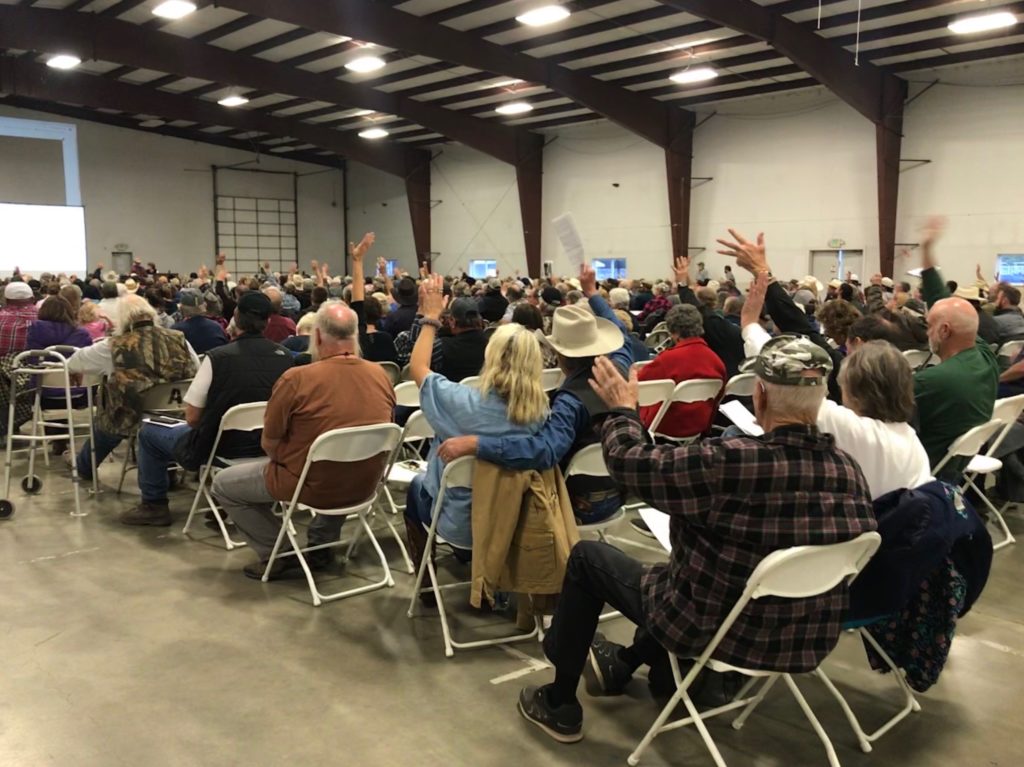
(564, 723)
(283, 568)
(612, 674)
(641, 527)
(320, 559)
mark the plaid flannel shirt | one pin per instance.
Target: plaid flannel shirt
(733, 501)
(14, 322)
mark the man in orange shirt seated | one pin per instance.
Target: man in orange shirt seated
(338, 390)
(689, 358)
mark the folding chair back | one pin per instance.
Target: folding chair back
(551, 378)
(655, 392)
(1009, 351)
(407, 394)
(917, 358)
(355, 443)
(588, 462)
(394, 372)
(657, 339)
(686, 393)
(166, 397)
(970, 443)
(247, 417)
(458, 473)
(406, 374)
(1007, 410)
(741, 385)
(638, 365)
(470, 381)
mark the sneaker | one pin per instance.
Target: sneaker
(641, 527)
(148, 513)
(612, 674)
(564, 723)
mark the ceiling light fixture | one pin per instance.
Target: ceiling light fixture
(154, 123)
(504, 84)
(174, 9)
(63, 61)
(234, 100)
(362, 113)
(695, 75)
(365, 64)
(687, 45)
(986, 22)
(514, 108)
(374, 133)
(546, 14)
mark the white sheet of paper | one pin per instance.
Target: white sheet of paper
(569, 236)
(657, 521)
(743, 418)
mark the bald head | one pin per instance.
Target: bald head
(336, 331)
(276, 300)
(952, 327)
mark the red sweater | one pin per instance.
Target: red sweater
(690, 358)
(279, 328)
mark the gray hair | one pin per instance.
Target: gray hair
(877, 382)
(134, 308)
(619, 298)
(661, 289)
(734, 304)
(684, 321)
(801, 402)
(343, 330)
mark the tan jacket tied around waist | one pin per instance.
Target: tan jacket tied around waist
(523, 531)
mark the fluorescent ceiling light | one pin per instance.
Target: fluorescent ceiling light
(985, 22)
(546, 14)
(234, 100)
(174, 9)
(341, 39)
(282, 149)
(514, 108)
(695, 75)
(373, 133)
(365, 64)
(685, 46)
(151, 123)
(362, 113)
(63, 61)
(504, 84)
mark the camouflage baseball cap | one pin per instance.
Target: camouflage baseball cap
(792, 360)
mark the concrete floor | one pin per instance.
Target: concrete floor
(135, 647)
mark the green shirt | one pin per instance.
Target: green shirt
(957, 394)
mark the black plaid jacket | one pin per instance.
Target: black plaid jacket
(732, 502)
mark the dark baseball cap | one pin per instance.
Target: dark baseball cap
(552, 296)
(256, 304)
(191, 297)
(464, 309)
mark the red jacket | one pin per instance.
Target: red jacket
(279, 328)
(690, 358)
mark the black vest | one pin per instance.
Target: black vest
(580, 487)
(462, 355)
(243, 371)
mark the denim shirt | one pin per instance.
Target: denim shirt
(568, 417)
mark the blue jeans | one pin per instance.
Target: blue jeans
(105, 444)
(156, 453)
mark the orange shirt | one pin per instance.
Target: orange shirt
(306, 402)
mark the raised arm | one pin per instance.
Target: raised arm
(933, 287)
(432, 304)
(356, 254)
(623, 356)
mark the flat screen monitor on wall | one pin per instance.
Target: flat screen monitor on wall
(1010, 268)
(42, 238)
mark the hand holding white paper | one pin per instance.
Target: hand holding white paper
(569, 236)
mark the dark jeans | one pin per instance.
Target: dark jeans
(598, 574)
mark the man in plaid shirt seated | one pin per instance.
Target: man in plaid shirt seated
(732, 501)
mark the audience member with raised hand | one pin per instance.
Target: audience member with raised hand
(304, 404)
(958, 393)
(579, 336)
(508, 400)
(377, 345)
(722, 336)
(872, 424)
(459, 353)
(731, 502)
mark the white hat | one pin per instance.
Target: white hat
(812, 284)
(131, 285)
(576, 332)
(714, 285)
(18, 291)
(887, 282)
(834, 283)
(854, 278)
(575, 283)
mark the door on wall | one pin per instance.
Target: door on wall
(828, 265)
(121, 261)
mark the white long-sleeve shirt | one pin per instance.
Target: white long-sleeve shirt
(890, 454)
(98, 360)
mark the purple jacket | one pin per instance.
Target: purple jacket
(44, 333)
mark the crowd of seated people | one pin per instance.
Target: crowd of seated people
(846, 419)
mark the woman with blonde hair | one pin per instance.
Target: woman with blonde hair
(508, 400)
(93, 321)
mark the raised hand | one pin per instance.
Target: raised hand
(432, 298)
(423, 270)
(749, 255)
(681, 270)
(588, 280)
(754, 303)
(358, 251)
(612, 388)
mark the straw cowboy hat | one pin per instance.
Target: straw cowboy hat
(576, 332)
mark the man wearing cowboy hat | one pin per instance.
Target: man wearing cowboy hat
(988, 328)
(406, 294)
(579, 335)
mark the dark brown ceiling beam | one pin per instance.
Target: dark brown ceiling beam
(121, 7)
(37, 81)
(965, 57)
(112, 40)
(225, 29)
(188, 134)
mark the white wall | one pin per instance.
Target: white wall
(800, 168)
(154, 193)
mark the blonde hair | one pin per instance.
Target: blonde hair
(88, 312)
(512, 369)
(306, 323)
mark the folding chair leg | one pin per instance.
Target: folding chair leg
(739, 721)
(634, 758)
(998, 517)
(418, 586)
(203, 478)
(124, 465)
(833, 760)
(449, 651)
(388, 579)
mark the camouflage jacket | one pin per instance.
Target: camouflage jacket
(144, 357)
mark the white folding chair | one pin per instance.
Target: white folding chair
(457, 474)
(740, 385)
(394, 372)
(800, 572)
(406, 374)
(357, 443)
(686, 392)
(657, 340)
(918, 358)
(470, 381)
(1009, 351)
(551, 378)
(969, 445)
(246, 418)
(637, 366)
(404, 466)
(1006, 410)
(166, 399)
(407, 394)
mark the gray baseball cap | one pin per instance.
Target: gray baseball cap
(792, 360)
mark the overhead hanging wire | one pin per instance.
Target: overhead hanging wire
(819, 14)
(856, 55)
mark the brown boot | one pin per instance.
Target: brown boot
(416, 537)
(148, 513)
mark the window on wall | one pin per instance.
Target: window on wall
(481, 269)
(610, 268)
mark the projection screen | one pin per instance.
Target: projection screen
(42, 238)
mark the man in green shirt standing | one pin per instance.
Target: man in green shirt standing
(957, 394)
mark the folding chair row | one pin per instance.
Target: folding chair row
(166, 399)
